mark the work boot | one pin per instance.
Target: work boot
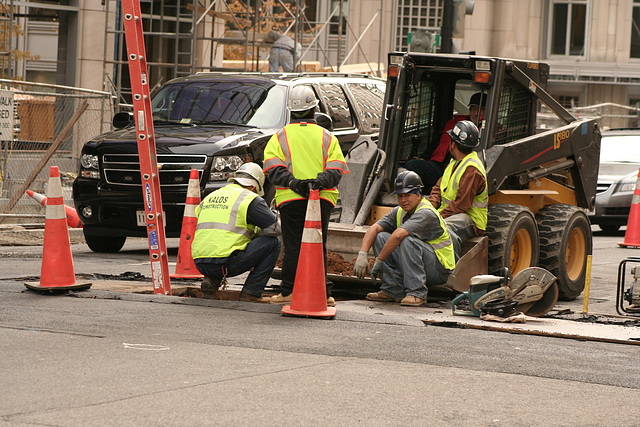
(379, 296)
(252, 298)
(331, 302)
(413, 301)
(280, 299)
(209, 286)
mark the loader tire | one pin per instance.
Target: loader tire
(513, 238)
(565, 244)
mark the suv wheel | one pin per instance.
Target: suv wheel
(104, 243)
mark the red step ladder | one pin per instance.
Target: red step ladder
(146, 146)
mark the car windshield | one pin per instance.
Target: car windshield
(256, 103)
(620, 149)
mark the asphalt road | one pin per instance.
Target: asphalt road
(116, 358)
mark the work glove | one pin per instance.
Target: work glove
(300, 186)
(376, 270)
(361, 267)
(322, 182)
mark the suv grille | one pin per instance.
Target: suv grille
(124, 169)
(602, 187)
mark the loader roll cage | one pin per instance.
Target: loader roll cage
(433, 89)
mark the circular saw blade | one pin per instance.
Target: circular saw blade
(544, 304)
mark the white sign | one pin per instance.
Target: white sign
(6, 115)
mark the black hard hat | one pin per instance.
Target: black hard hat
(465, 133)
(479, 99)
(406, 182)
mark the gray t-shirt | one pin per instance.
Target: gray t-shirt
(423, 224)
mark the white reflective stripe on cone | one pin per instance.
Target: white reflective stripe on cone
(193, 189)
(312, 235)
(55, 212)
(54, 187)
(190, 210)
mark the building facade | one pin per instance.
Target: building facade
(593, 46)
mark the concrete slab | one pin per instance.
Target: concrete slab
(543, 326)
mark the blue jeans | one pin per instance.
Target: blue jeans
(279, 56)
(461, 228)
(410, 269)
(261, 255)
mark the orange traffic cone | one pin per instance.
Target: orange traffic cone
(632, 235)
(57, 263)
(309, 297)
(185, 267)
(73, 220)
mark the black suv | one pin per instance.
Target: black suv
(212, 122)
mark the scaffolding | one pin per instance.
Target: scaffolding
(183, 38)
(7, 63)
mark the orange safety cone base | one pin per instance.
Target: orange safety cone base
(329, 312)
(35, 286)
(626, 244)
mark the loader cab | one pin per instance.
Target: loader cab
(428, 93)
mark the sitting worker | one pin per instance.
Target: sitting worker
(237, 232)
(282, 52)
(412, 246)
(461, 194)
(299, 156)
(431, 170)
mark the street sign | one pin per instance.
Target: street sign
(6, 115)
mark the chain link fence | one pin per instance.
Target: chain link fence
(50, 125)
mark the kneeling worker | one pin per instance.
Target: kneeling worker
(412, 246)
(237, 232)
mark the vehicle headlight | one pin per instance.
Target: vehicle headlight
(221, 163)
(627, 186)
(224, 167)
(89, 161)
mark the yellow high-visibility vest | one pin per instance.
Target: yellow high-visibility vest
(443, 246)
(306, 150)
(451, 182)
(222, 223)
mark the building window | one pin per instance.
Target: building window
(568, 27)
(413, 15)
(635, 30)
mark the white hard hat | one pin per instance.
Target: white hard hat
(302, 98)
(250, 175)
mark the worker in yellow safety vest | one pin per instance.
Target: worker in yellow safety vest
(237, 232)
(302, 155)
(412, 247)
(461, 194)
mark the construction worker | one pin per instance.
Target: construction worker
(412, 247)
(283, 52)
(431, 170)
(461, 194)
(301, 156)
(237, 232)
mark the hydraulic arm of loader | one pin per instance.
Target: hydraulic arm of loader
(574, 147)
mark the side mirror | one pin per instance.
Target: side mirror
(122, 120)
(324, 120)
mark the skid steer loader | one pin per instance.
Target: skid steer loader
(540, 182)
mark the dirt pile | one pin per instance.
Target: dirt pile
(337, 265)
